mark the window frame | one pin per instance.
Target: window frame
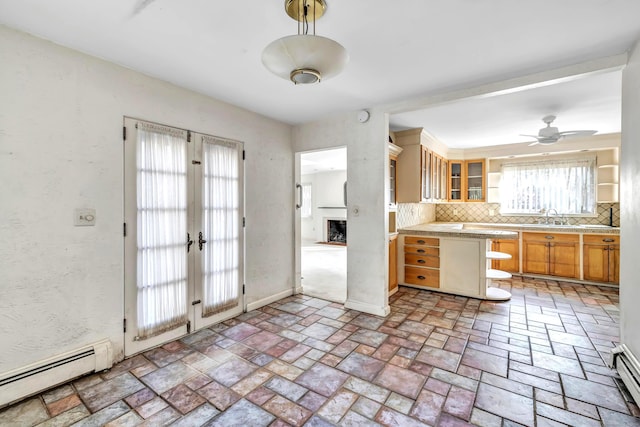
(550, 163)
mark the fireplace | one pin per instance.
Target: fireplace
(337, 231)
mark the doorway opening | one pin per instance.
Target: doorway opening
(321, 243)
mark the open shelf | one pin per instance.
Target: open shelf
(492, 273)
(497, 255)
(497, 294)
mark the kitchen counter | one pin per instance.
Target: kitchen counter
(446, 229)
(465, 229)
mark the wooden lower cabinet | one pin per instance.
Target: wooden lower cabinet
(422, 261)
(507, 246)
(601, 258)
(393, 263)
(551, 254)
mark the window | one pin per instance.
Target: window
(568, 186)
(306, 208)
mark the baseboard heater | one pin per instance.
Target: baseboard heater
(628, 367)
(28, 380)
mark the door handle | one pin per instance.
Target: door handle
(299, 188)
(189, 242)
(201, 241)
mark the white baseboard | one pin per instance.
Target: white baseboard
(368, 308)
(268, 300)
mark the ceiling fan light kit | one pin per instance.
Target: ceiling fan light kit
(550, 135)
(305, 58)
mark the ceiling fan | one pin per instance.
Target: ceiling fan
(550, 135)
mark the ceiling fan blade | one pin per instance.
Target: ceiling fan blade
(573, 133)
(537, 140)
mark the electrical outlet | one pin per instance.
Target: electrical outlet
(492, 212)
(455, 212)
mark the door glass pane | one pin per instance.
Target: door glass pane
(221, 225)
(474, 181)
(161, 160)
(456, 181)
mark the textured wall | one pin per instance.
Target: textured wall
(61, 116)
(367, 185)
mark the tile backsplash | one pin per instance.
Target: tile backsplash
(409, 214)
(479, 212)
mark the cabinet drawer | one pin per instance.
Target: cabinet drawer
(422, 261)
(427, 241)
(422, 277)
(422, 251)
(601, 239)
(551, 237)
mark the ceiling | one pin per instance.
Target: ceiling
(398, 51)
(323, 161)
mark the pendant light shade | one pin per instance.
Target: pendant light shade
(305, 58)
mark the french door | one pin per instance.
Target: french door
(183, 232)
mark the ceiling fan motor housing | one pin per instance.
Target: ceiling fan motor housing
(548, 132)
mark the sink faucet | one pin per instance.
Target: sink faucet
(555, 213)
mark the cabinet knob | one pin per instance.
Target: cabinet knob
(421, 251)
(422, 242)
(548, 237)
(608, 240)
(421, 277)
(421, 261)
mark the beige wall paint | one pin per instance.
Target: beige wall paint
(367, 188)
(61, 148)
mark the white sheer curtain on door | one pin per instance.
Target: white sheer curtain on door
(220, 224)
(161, 158)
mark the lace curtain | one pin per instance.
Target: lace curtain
(221, 224)
(568, 186)
(161, 158)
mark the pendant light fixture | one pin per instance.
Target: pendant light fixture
(305, 58)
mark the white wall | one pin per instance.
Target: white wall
(630, 205)
(326, 191)
(367, 173)
(61, 148)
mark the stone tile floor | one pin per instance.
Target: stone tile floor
(437, 360)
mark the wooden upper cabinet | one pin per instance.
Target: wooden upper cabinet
(455, 180)
(420, 172)
(467, 180)
(425, 173)
(476, 182)
(438, 177)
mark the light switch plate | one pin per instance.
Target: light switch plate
(84, 217)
